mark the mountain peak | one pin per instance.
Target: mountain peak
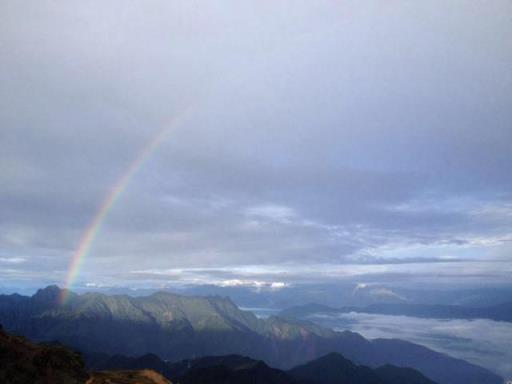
(48, 294)
(177, 327)
(51, 295)
(334, 357)
(331, 360)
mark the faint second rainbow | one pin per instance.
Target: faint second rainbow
(89, 234)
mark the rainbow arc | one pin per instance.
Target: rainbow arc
(93, 228)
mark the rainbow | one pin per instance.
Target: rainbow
(91, 231)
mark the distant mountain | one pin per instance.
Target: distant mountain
(301, 311)
(178, 327)
(500, 312)
(335, 369)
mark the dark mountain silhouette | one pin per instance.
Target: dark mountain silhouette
(233, 370)
(126, 377)
(500, 312)
(210, 369)
(332, 368)
(394, 375)
(335, 369)
(178, 327)
(104, 362)
(23, 362)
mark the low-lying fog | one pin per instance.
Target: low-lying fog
(484, 342)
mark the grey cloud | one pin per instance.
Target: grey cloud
(319, 134)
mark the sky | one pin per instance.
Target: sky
(301, 142)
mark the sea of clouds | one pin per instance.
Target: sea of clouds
(483, 342)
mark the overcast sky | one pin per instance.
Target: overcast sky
(307, 141)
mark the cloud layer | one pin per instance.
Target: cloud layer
(482, 342)
(317, 140)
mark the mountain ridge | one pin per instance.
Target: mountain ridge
(242, 369)
(23, 362)
(333, 368)
(499, 312)
(175, 327)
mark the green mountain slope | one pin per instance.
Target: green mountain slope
(177, 327)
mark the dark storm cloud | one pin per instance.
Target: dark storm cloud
(331, 135)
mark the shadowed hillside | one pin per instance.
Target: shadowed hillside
(22, 362)
(330, 369)
(178, 327)
(335, 369)
(127, 377)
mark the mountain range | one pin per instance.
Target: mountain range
(176, 327)
(23, 362)
(329, 369)
(499, 312)
(335, 369)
